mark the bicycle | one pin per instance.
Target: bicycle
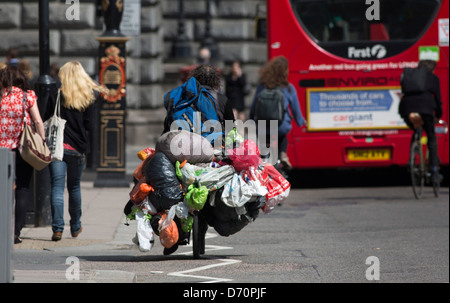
(418, 164)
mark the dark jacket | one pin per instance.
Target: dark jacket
(78, 124)
(235, 91)
(428, 102)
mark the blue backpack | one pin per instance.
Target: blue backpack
(190, 106)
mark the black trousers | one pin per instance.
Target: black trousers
(23, 194)
(428, 127)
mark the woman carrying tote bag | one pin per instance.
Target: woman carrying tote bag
(13, 85)
(76, 100)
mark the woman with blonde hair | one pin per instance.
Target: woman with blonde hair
(275, 74)
(76, 100)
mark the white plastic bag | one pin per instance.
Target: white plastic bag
(144, 234)
(181, 210)
(256, 188)
(236, 192)
(212, 178)
(147, 206)
(54, 132)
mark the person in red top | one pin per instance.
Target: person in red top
(13, 84)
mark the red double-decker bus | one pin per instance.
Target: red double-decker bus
(345, 59)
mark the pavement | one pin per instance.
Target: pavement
(103, 225)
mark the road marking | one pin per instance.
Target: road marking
(186, 273)
(224, 262)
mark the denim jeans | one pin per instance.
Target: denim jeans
(73, 164)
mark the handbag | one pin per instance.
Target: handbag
(54, 132)
(32, 148)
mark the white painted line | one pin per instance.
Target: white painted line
(225, 262)
(207, 248)
(186, 273)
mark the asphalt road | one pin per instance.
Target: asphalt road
(319, 235)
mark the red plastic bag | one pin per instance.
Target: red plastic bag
(244, 156)
(278, 188)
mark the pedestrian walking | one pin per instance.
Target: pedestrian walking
(274, 75)
(76, 100)
(18, 105)
(236, 88)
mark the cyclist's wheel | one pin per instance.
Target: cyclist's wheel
(196, 238)
(416, 169)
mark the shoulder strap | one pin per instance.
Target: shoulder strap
(24, 99)
(57, 111)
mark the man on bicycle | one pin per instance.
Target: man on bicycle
(427, 103)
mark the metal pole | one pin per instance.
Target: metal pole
(181, 47)
(208, 41)
(45, 88)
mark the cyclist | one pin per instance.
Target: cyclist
(428, 105)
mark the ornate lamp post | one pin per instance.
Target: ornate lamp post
(208, 41)
(111, 166)
(181, 47)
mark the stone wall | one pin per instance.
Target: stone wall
(149, 57)
(150, 69)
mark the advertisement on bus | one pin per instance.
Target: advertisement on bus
(346, 60)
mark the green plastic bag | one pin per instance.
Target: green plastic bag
(196, 197)
(186, 224)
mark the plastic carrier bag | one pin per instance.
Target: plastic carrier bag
(160, 175)
(246, 155)
(196, 197)
(212, 178)
(243, 187)
(168, 230)
(278, 188)
(144, 234)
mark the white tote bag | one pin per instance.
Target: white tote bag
(54, 132)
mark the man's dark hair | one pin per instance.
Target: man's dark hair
(207, 75)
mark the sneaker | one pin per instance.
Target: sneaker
(57, 236)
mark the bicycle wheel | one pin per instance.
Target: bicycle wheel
(196, 245)
(416, 169)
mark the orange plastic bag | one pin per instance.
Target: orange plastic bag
(143, 154)
(168, 233)
(140, 191)
(139, 171)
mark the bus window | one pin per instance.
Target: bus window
(331, 22)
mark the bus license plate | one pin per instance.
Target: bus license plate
(368, 154)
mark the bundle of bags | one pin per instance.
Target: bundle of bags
(184, 174)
